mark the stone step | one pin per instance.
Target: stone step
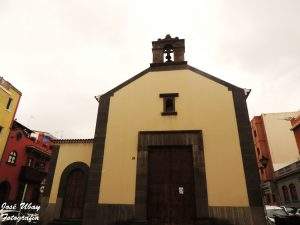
(65, 222)
(207, 221)
(79, 222)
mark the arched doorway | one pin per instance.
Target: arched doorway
(35, 194)
(4, 191)
(72, 190)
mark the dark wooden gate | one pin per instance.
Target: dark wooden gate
(73, 200)
(4, 191)
(171, 194)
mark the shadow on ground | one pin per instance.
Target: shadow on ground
(210, 221)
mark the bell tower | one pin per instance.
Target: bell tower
(168, 51)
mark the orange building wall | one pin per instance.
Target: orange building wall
(261, 148)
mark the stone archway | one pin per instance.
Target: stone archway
(72, 190)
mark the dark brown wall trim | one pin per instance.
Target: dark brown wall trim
(168, 64)
(237, 215)
(211, 77)
(172, 138)
(52, 166)
(169, 113)
(115, 214)
(94, 180)
(168, 68)
(247, 148)
(168, 95)
(112, 91)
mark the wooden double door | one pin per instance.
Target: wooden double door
(171, 191)
(73, 200)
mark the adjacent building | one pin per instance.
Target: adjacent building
(277, 157)
(296, 129)
(24, 164)
(64, 198)
(9, 100)
(287, 181)
(288, 178)
(172, 145)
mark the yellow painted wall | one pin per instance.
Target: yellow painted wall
(69, 153)
(7, 115)
(281, 140)
(202, 105)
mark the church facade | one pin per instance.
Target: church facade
(172, 145)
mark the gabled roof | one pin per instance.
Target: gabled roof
(174, 66)
(6, 85)
(16, 124)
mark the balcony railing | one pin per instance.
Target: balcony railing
(39, 153)
(31, 175)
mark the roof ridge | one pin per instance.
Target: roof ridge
(167, 68)
(74, 140)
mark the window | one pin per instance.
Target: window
(262, 171)
(9, 103)
(168, 104)
(258, 151)
(30, 162)
(274, 198)
(12, 157)
(285, 193)
(293, 192)
(19, 136)
(37, 165)
(254, 133)
(268, 198)
(42, 166)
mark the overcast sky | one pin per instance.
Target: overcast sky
(61, 53)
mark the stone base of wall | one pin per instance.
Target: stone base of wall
(238, 215)
(47, 214)
(108, 214)
(49, 211)
(123, 214)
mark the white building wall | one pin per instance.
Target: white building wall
(281, 139)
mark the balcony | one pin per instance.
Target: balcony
(36, 152)
(31, 175)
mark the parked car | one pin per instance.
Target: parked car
(289, 210)
(297, 212)
(274, 211)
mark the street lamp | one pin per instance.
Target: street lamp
(263, 161)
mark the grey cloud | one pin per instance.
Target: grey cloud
(61, 54)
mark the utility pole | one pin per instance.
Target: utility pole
(22, 200)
